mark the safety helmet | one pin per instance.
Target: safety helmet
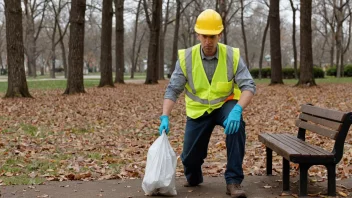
(209, 22)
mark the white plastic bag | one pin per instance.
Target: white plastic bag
(160, 172)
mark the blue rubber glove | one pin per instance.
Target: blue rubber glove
(233, 120)
(164, 125)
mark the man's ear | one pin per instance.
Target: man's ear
(198, 37)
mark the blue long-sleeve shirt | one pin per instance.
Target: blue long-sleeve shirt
(178, 80)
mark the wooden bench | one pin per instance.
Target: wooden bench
(329, 123)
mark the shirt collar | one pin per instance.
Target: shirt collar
(209, 57)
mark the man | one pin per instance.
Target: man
(218, 87)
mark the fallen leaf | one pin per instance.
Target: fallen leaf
(342, 193)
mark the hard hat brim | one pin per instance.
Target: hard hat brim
(208, 32)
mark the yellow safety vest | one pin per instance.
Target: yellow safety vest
(201, 96)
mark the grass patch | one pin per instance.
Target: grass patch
(60, 156)
(20, 170)
(50, 84)
(11, 165)
(95, 156)
(4, 131)
(22, 180)
(326, 80)
(41, 166)
(116, 168)
(29, 129)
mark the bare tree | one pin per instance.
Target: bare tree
(154, 27)
(133, 56)
(344, 49)
(57, 9)
(332, 23)
(2, 45)
(176, 33)
(62, 34)
(294, 38)
(33, 9)
(340, 16)
(263, 43)
(76, 44)
(120, 62)
(244, 33)
(105, 56)
(17, 83)
(306, 76)
(275, 43)
(175, 42)
(321, 7)
(162, 41)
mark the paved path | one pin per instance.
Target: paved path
(255, 186)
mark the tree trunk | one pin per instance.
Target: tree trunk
(17, 83)
(64, 61)
(76, 48)
(53, 59)
(222, 11)
(306, 76)
(263, 46)
(30, 40)
(153, 60)
(338, 50)
(162, 42)
(120, 62)
(275, 43)
(161, 55)
(175, 43)
(347, 45)
(105, 54)
(244, 33)
(53, 53)
(134, 63)
(294, 39)
(139, 50)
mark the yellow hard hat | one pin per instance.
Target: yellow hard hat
(209, 22)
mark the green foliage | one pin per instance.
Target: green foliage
(318, 72)
(348, 71)
(287, 73)
(331, 71)
(266, 72)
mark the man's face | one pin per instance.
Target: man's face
(209, 43)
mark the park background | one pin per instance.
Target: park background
(96, 118)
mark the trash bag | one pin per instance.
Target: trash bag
(160, 172)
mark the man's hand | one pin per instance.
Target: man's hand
(233, 120)
(164, 125)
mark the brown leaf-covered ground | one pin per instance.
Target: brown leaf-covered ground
(106, 132)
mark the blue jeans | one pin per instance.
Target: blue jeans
(196, 140)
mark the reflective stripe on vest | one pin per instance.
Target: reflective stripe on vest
(230, 75)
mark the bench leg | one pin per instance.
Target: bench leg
(269, 161)
(285, 174)
(303, 179)
(331, 179)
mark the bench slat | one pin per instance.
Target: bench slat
(328, 123)
(278, 147)
(292, 144)
(315, 128)
(319, 151)
(326, 113)
(294, 149)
